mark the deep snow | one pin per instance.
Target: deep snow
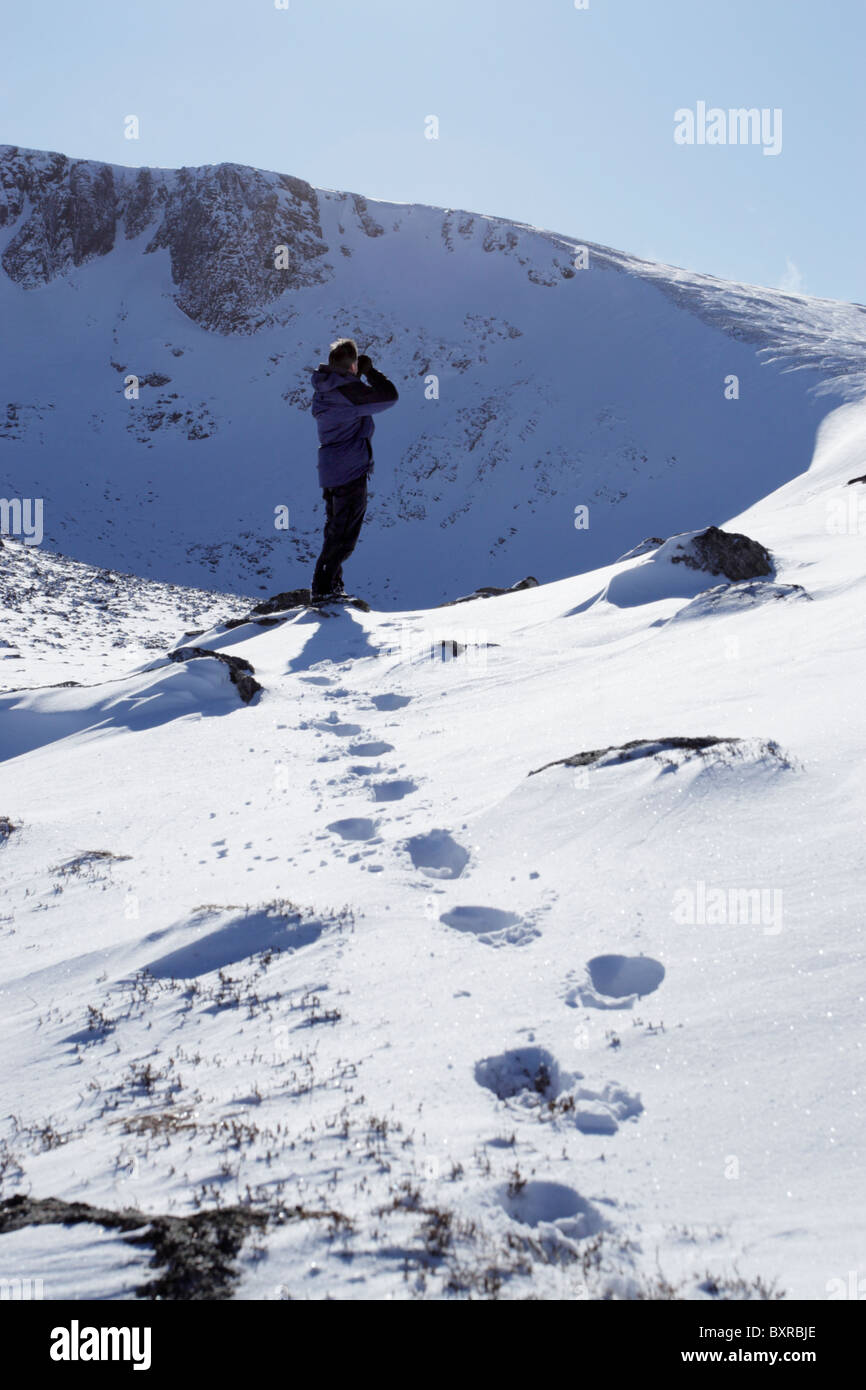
(470, 1030)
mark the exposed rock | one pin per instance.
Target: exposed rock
(721, 552)
(6, 829)
(240, 671)
(72, 214)
(278, 603)
(734, 598)
(489, 591)
(666, 750)
(273, 611)
(221, 225)
(637, 748)
(857, 480)
(362, 212)
(194, 1254)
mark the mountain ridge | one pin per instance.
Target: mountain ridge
(529, 388)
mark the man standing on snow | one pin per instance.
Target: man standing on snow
(343, 406)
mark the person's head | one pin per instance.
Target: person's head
(343, 356)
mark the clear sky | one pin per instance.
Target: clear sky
(548, 114)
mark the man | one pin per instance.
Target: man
(343, 406)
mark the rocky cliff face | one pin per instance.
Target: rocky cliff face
(221, 225)
(554, 407)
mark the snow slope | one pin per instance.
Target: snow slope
(555, 387)
(466, 1019)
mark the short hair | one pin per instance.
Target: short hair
(343, 353)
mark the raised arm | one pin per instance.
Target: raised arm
(374, 395)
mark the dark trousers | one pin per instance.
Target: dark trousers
(345, 508)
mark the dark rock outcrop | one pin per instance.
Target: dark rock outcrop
(724, 552)
(194, 1254)
(273, 611)
(637, 748)
(725, 751)
(278, 603)
(241, 672)
(71, 213)
(857, 480)
(221, 225)
(6, 829)
(490, 591)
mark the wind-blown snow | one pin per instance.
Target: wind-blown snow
(558, 387)
(462, 1029)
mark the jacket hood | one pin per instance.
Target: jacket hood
(324, 378)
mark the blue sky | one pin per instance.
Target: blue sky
(551, 115)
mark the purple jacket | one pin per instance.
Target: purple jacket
(343, 407)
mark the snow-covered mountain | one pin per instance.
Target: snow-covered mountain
(558, 387)
(507, 948)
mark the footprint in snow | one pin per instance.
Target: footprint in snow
(393, 791)
(530, 1077)
(531, 1070)
(437, 855)
(553, 1203)
(376, 749)
(332, 725)
(388, 702)
(601, 1112)
(491, 925)
(354, 828)
(616, 982)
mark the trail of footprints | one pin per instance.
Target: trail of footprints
(528, 1080)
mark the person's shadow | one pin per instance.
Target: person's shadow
(336, 636)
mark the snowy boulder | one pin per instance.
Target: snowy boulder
(241, 672)
(278, 603)
(735, 598)
(651, 543)
(680, 566)
(718, 552)
(6, 829)
(490, 591)
(636, 748)
(677, 752)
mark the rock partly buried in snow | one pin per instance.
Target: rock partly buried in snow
(857, 480)
(651, 543)
(678, 568)
(636, 748)
(269, 612)
(734, 598)
(719, 552)
(6, 829)
(490, 591)
(671, 752)
(274, 610)
(193, 1255)
(241, 672)
(278, 603)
